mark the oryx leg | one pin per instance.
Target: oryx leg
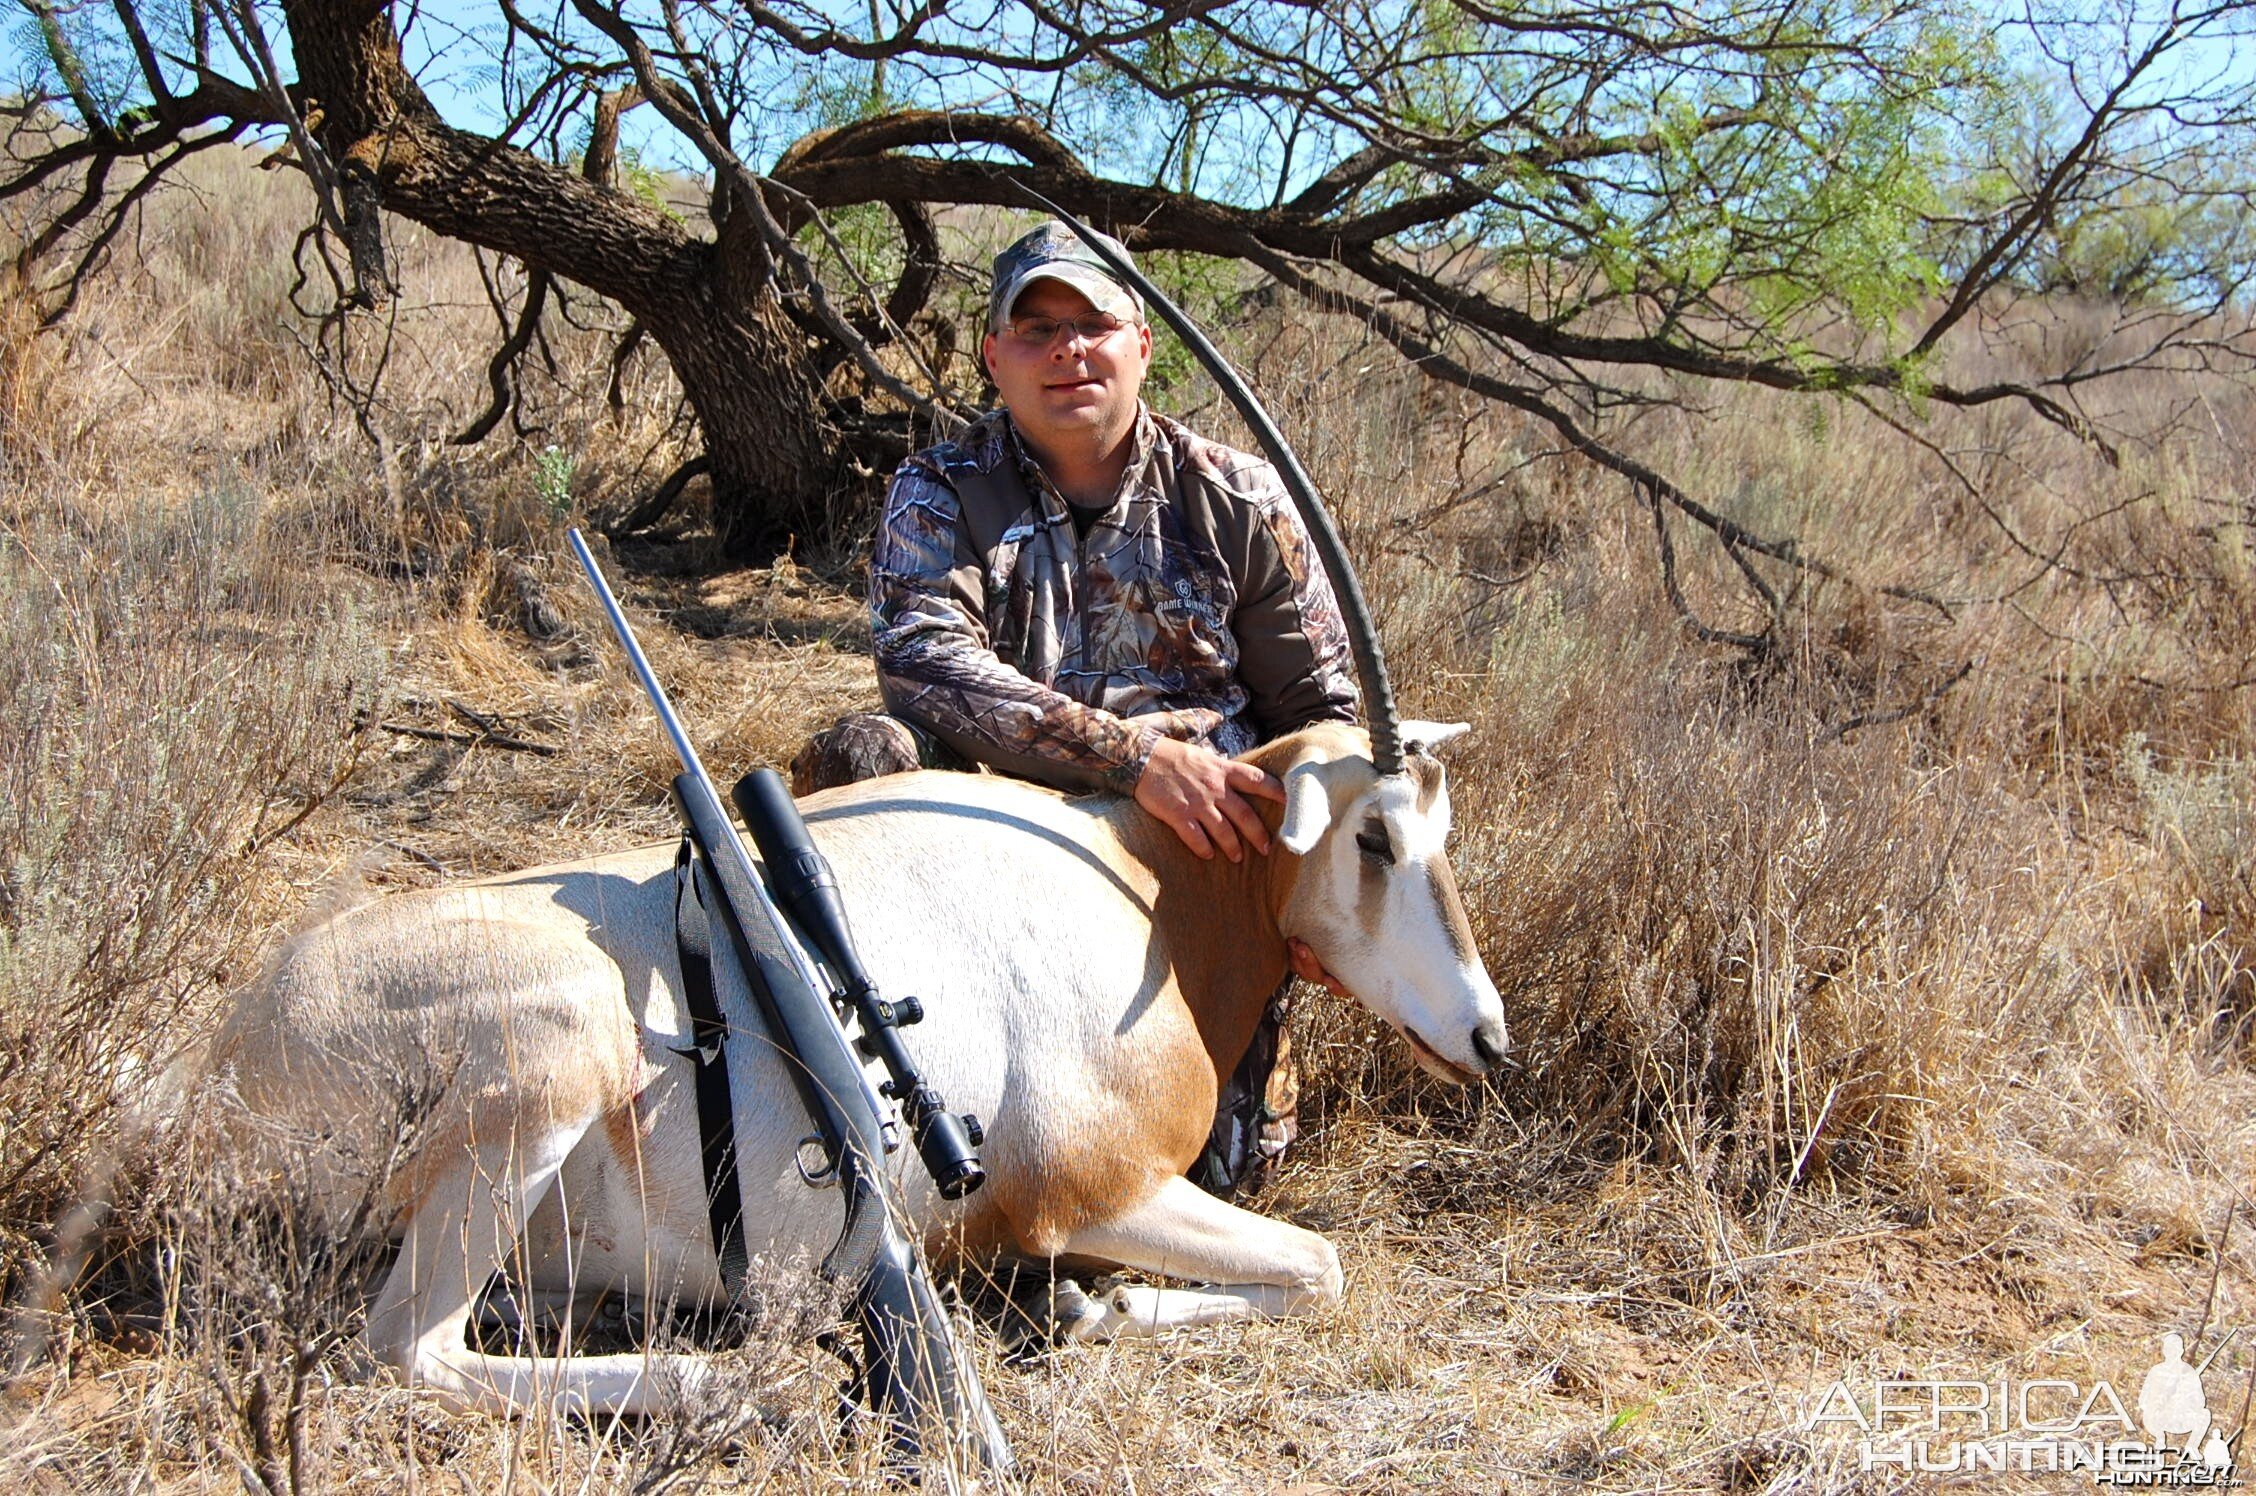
(461, 1232)
(1250, 1265)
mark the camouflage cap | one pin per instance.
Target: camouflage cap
(1051, 251)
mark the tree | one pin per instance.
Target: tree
(1544, 203)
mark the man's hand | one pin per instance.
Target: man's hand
(1309, 969)
(1202, 796)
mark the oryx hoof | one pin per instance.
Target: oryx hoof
(1060, 1314)
(1074, 1316)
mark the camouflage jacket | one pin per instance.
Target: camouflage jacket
(1195, 608)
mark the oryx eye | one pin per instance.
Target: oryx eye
(1373, 843)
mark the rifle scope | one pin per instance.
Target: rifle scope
(807, 890)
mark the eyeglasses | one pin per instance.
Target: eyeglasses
(1041, 332)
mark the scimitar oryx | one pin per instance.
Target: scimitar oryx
(1087, 980)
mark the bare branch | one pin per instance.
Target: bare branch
(499, 367)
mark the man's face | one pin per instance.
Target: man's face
(1071, 391)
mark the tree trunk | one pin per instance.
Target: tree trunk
(749, 373)
(775, 470)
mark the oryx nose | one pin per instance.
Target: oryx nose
(1492, 1044)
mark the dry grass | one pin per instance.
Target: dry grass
(1918, 1048)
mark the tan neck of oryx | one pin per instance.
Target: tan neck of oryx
(1217, 919)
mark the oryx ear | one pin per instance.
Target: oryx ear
(1308, 808)
(1425, 737)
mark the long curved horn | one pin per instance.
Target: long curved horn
(1370, 665)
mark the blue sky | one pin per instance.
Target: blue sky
(452, 46)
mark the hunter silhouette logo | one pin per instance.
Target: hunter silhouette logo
(1943, 1427)
(2171, 1401)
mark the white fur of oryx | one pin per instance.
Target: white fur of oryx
(1087, 980)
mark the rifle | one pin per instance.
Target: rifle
(912, 1370)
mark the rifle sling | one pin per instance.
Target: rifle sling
(708, 1031)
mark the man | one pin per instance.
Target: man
(1084, 593)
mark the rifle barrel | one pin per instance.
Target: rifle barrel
(678, 735)
(667, 718)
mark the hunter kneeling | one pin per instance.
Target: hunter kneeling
(1082, 592)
